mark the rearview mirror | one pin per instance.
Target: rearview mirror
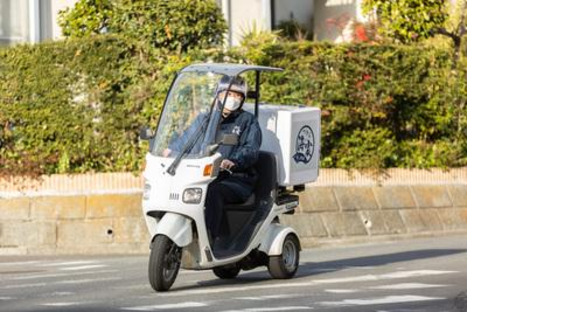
(146, 134)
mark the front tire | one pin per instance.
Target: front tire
(285, 265)
(164, 263)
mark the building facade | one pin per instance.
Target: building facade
(34, 21)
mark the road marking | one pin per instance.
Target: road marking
(384, 300)
(61, 293)
(408, 286)
(364, 278)
(66, 282)
(61, 304)
(6, 298)
(406, 274)
(61, 274)
(272, 309)
(230, 289)
(91, 280)
(321, 270)
(66, 263)
(269, 297)
(84, 267)
(182, 305)
(341, 291)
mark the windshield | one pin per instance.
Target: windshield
(186, 115)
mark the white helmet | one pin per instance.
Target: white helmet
(238, 85)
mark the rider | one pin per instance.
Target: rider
(237, 180)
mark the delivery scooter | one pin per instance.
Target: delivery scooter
(176, 184)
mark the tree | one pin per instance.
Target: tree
(177, 25)
(408, 20)
(413, 20)
(456, 25)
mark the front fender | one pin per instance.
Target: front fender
(175, 226)
(272, 242)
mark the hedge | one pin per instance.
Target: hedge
(76, 106)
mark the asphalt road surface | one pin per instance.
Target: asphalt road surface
(406, 276)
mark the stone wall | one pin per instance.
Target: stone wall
(77, 219)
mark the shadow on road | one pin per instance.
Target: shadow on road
(316, 268)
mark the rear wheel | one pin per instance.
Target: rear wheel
(285, 265)
(227, 272)
(164, 262)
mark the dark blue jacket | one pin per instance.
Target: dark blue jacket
(244, 154)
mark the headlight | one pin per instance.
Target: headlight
(192, 195)
(146, 191)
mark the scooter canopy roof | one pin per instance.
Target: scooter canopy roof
(227, 69)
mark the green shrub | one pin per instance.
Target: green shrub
(177, 25)
(374, 98)
(76, 106)
(69, 106)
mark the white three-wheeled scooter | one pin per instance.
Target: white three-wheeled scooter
(176, 184)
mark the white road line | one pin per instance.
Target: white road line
(322, 270)
(91, 280)
(406, 274)
(6, 298)
(272, 309)
(61, 275)
(66, 282)
(269, 297)
(61, 304)
(341, 291)
(384, 300)
(408, 286)
(230, 289)
(182, 305)
(61, 293)
(364, 278)
(66, 263)
(84, 267)
(352, 279)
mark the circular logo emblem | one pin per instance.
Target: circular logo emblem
(304, 145)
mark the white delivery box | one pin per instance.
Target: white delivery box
(292, 133)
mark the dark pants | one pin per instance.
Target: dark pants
(219, 193)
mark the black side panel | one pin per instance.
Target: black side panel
(244, 224)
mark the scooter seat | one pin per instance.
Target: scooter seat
(249, 204)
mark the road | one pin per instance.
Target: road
(428, 274)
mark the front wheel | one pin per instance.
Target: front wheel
(164, 262)
(285, 265)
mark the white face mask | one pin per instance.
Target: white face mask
(232, 104)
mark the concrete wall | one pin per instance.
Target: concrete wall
(38, 221)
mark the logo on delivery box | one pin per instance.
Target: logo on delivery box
(304, 145)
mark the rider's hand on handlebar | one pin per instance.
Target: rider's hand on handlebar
(227, 165)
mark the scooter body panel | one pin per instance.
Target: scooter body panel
(166, 213)
(272, 243)
(175, 226)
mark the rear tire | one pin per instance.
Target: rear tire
(164, 263)
(285, 265)
(229, 272)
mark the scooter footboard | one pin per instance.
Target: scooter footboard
(272, 242)
(176, 227)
